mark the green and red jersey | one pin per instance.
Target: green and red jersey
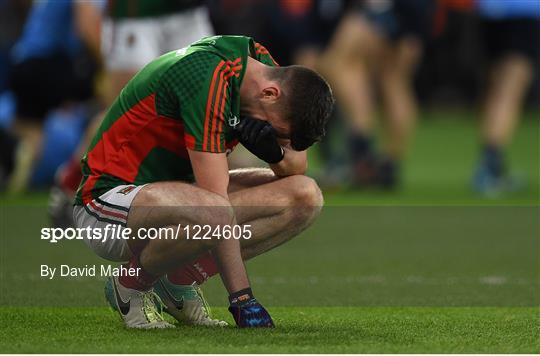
(189, 98)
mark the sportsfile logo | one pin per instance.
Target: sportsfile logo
(117, 232)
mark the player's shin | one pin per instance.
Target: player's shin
(180, 292)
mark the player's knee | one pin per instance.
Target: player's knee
(307, 193)
(308, 201)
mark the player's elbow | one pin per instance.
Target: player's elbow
(297, 169)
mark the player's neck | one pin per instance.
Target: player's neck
(251, 86)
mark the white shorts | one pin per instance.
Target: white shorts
(129, 44)
(111, 208)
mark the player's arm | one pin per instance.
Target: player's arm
(259, 137)
(212, 173)
(203, 120)
(293, 162)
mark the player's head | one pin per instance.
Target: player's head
(296, 101)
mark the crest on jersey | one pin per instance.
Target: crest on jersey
(233, 121)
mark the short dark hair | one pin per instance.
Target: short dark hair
(308, 103)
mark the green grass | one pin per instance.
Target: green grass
(300, 330)
(432, 267)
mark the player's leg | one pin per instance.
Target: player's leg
(30, 135)
(357, 45)
(512, 45)
(179, 264)
(353, 47)
(396, 81)
(8, 146)
(37, 90)
(169, 204)
(156, 205)
(276, 208)
(508, 82)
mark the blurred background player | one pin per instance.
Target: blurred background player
(380, 40)
(12, 18)
(52, 67)
(296, 32)
(134, 32)
(511, 33)
(449, 75)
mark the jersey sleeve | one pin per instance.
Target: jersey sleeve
(202, 89)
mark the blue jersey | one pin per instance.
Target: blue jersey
(49, 29)
(509, 9)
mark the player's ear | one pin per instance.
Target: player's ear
(271, 93)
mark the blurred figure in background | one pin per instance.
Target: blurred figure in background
(133, 33)
(511, 33)
(136, 32)
(12, 17)
(51, 68)
(381, 40)
(294, 31)
(300, 30)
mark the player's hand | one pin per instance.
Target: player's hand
(259, 137)
(251, 314)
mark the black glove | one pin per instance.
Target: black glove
(251, 315)
(248, 312)
(259, 137)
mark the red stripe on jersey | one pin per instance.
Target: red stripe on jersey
(234, 72)
(220, 123)
(218, 118)
(260, 49)
(87, 188)
(128, 141)
(190, 141)
(237, 68)
(213, 117)
(216, 109)
(209, 104)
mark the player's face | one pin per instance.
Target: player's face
(282, 128)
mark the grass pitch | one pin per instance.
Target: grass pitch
(300, 330)
(431, 268)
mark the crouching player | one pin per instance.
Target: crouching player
(160, 159)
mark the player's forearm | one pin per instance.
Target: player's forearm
(292, 163)
(231, 266)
